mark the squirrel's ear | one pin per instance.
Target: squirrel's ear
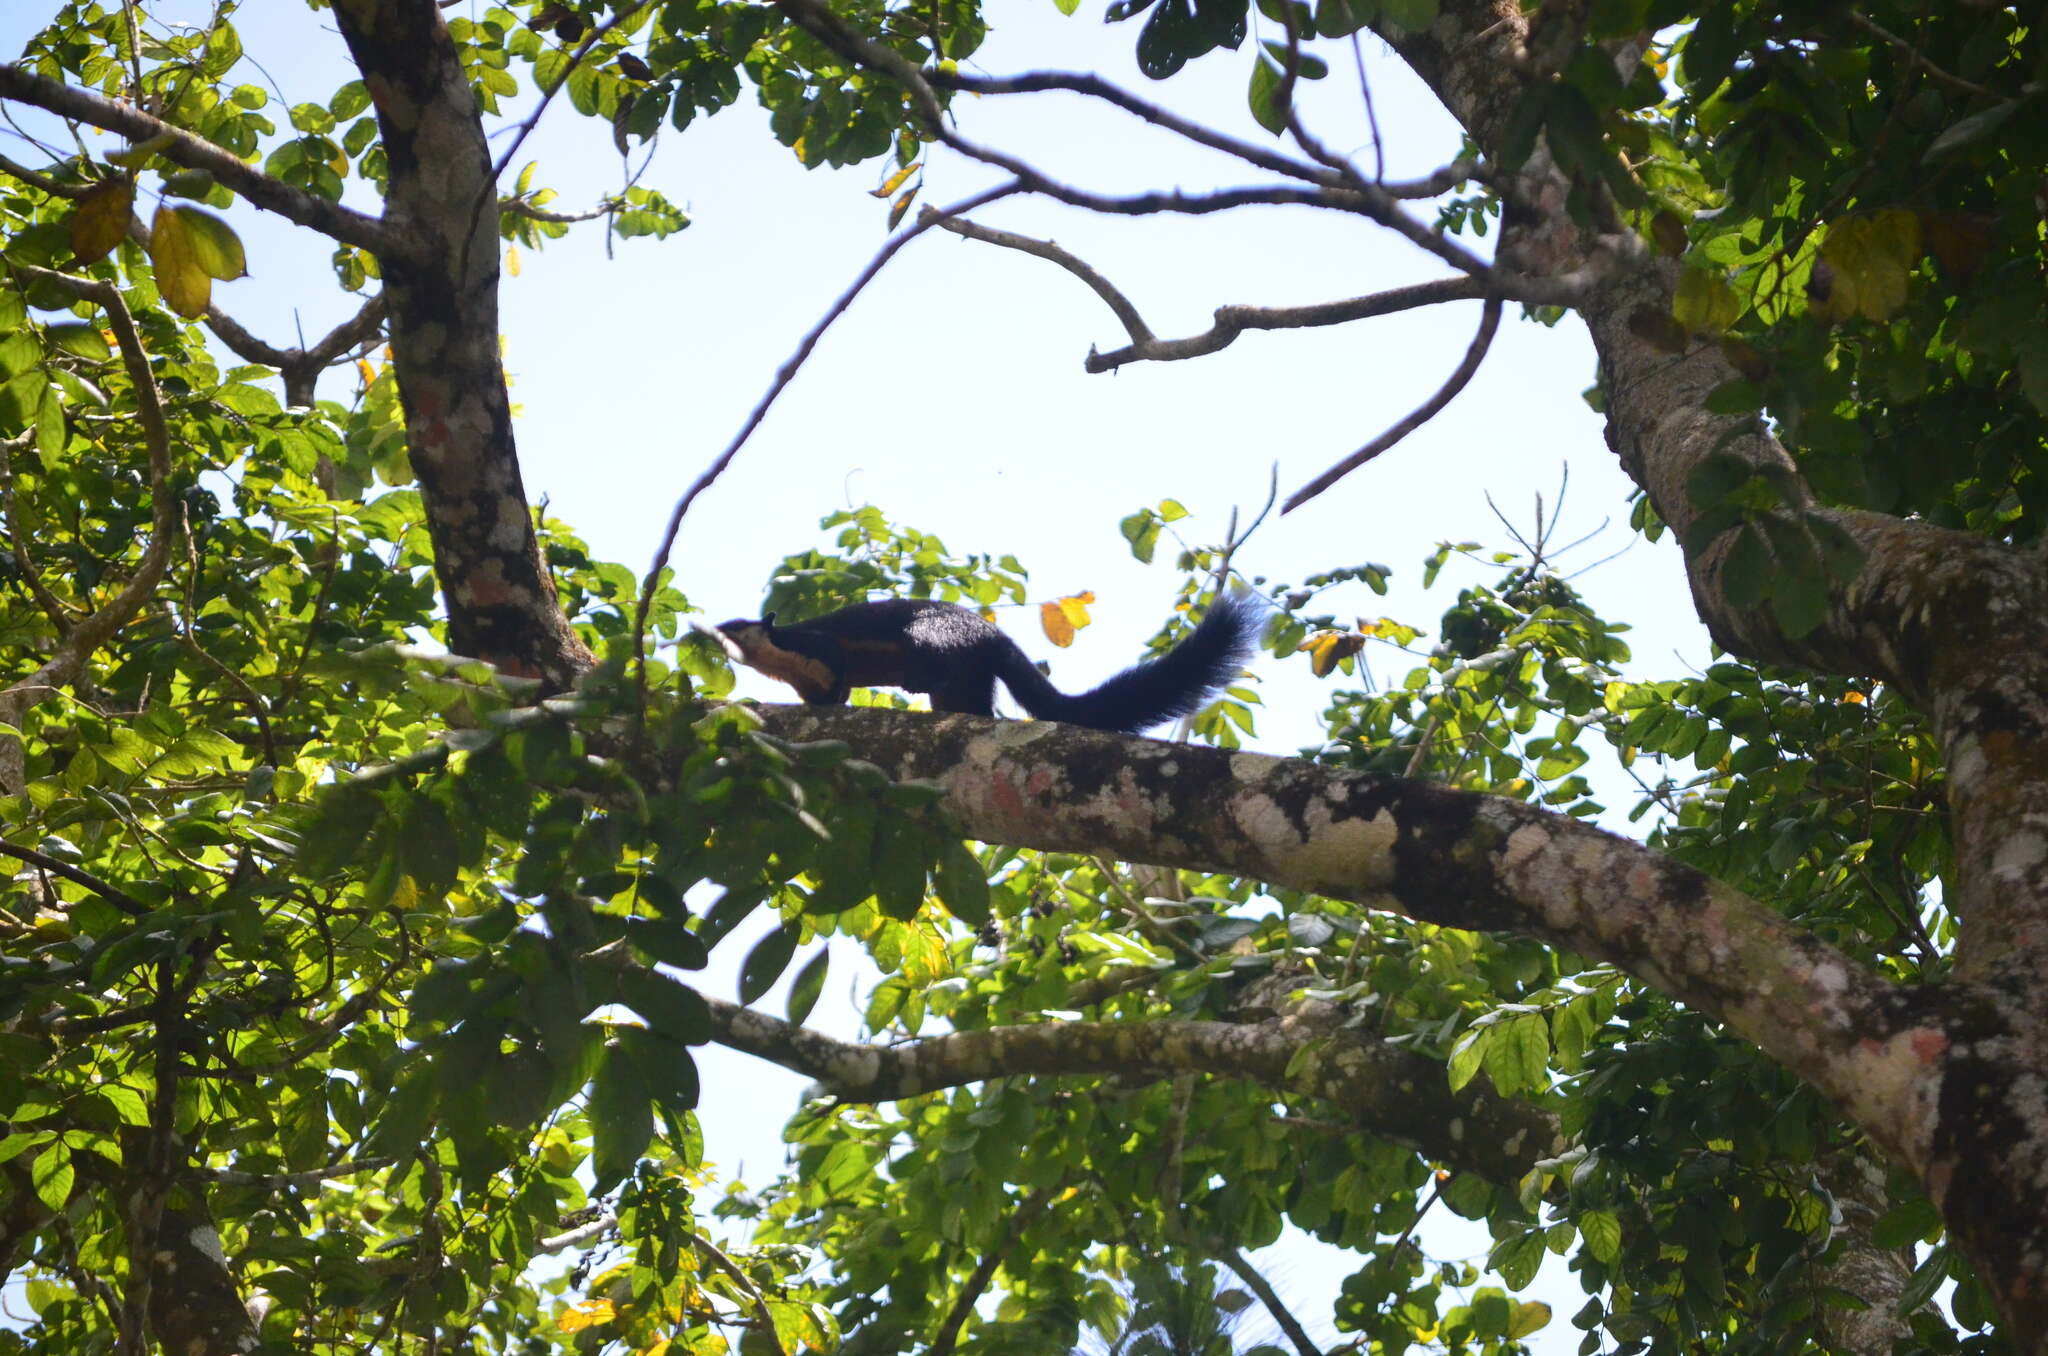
(767, 619)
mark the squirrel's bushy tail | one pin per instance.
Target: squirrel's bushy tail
(1168, 687)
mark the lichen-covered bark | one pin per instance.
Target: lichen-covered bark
(1951, 620)
(195, 1308)
(441, 292)
(1388, 1091)
(1948, 1081)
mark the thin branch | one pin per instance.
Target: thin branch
(181, 147)
(783, 376)
(972, 1289)
(520, 207)
(115, 896)
(1372, 117)
(46, 183)
(746, 1283)
(577, 1237)
(278, 1181)
(1282, 1315)
(300, 367)
(1489, 322)
(583, 49)
(343, 337)
(1231, 321)
(1095, 87)
(1126, 313)
(1363, 198)
(1920, 59)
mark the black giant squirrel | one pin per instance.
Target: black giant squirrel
(952, 653)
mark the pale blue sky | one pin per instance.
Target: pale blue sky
(953, 396)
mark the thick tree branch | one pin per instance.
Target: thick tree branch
(1442, 856)
(331, 219)
(442, 302)
(1389, 1091)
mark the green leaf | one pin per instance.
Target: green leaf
(1746, 572)
(1602, 1232)
(1267, 110)
(808, 984)
(51, 1175)
(669, 1007)
(84, 341)
(1467, 1055)
(961, 885)
(766, 962)
(621, 1115)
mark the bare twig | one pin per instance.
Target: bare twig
(1372, 117)
(1488, 323)
(783, 376)
(520, 207)
(1097, 88)
(1268, 1296)
(181, 147)
(1231, 321)
(717, 1257)
(590, 40)
(1126, 313)
(278, 1181)
(971, 1290)
(1920, 59)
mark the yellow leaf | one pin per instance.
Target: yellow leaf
(142, 152)
(214, 244)
(512, 260)
(185, 285)
(1869, 258)
(1052, 619)
(1529, 1316)
(1704, 302)
(364, 372)
(896, 180)
(901, 206)
(100, 220)
(587, 1314)
(1326, 648)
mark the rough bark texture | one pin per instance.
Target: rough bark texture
(1952, 620)
(441, 295)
